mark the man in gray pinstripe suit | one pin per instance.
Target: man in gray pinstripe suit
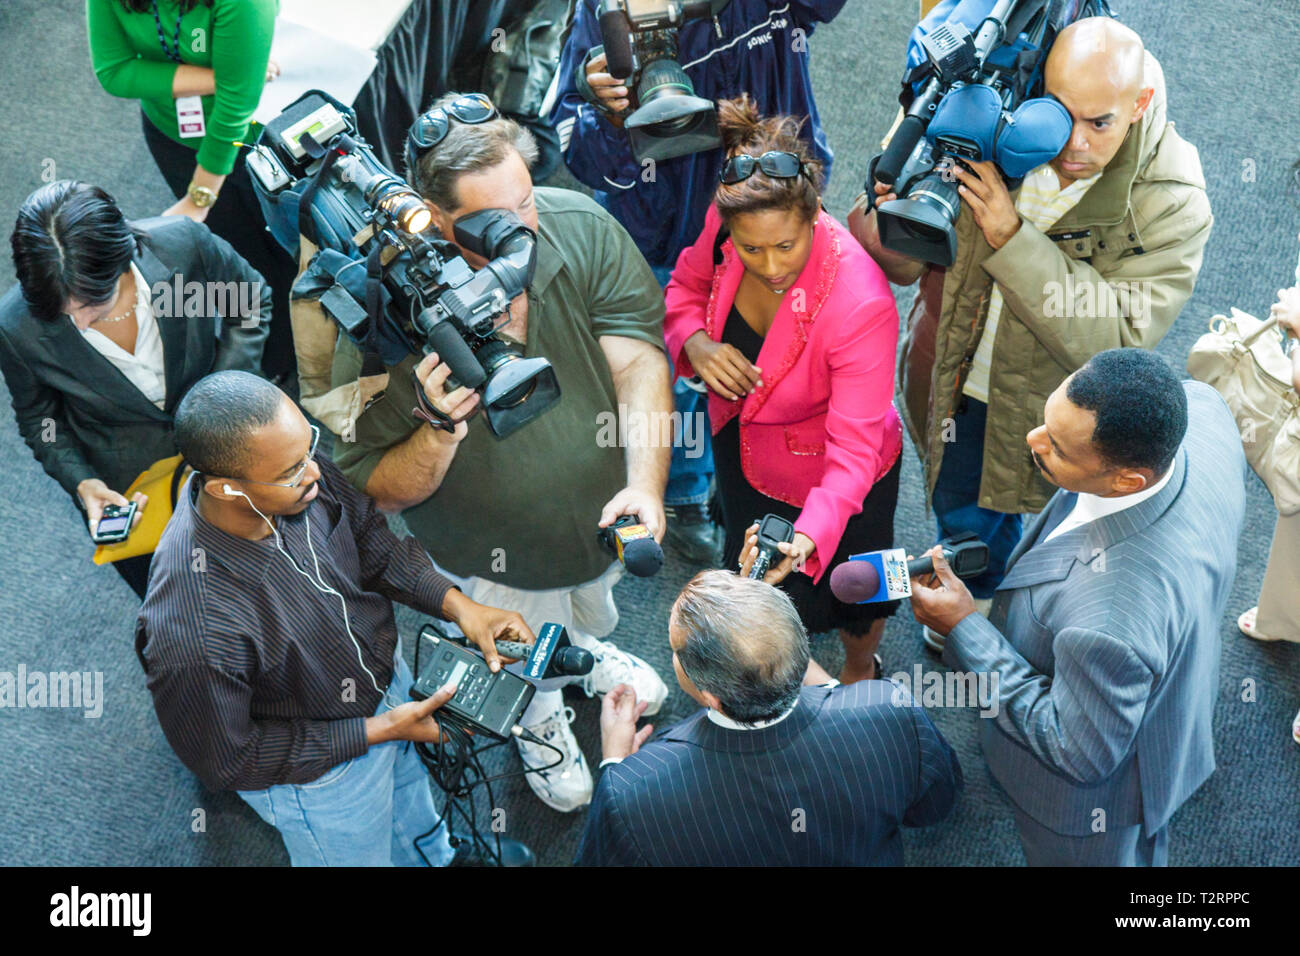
(1105, 632)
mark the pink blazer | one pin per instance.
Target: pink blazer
(822, 429)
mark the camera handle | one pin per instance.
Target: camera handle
(869, 187)
(426, 412)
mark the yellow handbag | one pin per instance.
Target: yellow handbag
(160, 483)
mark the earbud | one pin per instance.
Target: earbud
(228, 490)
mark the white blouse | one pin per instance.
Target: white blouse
(144, 368)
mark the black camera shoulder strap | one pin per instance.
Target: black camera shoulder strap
(723, 235)
(371, 363)
(328, 158)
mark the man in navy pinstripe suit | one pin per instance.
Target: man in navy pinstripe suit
(770, 773)
(1105, 632)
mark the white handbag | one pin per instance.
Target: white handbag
(1243, 358)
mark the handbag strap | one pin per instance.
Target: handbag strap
(177, 475)
(1269, 323)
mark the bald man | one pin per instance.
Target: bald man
(1097, 249)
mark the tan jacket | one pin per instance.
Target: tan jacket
(1114, 271)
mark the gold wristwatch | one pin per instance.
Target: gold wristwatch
(201, 196)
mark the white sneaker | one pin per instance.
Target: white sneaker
(614, 667)
(564, 787)
(935, 641)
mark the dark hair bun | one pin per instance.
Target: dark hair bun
(739, 122)
(745, 131)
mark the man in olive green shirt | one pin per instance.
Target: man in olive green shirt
(517, 517)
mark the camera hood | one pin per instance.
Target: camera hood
(517, 392)
(1034, 134)
(672, 126)
(971, 122)
(920, 229)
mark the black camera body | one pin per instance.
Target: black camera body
(640, 42)
(418, 285)
(973, 107)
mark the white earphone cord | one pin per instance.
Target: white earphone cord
(318, 583)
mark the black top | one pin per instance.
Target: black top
(254, 677)
(739, 334)
(103, 426)
(871, 529)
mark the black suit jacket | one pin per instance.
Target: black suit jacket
(78, 413)
(829, 785)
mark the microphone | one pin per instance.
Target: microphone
(772, 530)
(900, 148)
(854, 582)
(551, 655)
(907, 135)
(632, 543)
(616, 36)
(566, 661)
(887, 575)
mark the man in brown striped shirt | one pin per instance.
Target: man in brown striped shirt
(268, 636)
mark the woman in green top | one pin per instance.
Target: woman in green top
(218, 51)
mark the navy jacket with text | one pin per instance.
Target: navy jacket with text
(759, 52)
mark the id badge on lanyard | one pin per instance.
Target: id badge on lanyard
(189, 116)
(189, 109)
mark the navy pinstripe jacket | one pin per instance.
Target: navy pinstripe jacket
(830, 785)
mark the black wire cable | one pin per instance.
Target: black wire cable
(456, 768)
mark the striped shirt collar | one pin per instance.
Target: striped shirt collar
(244, 558)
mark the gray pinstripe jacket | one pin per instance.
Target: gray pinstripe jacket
(1106, 642)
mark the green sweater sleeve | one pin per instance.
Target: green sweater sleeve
(113, 57)
(241, 46)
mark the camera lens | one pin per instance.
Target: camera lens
(921, 222)
(665, 78)
(939, 193)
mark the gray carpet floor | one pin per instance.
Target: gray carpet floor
(109, 791)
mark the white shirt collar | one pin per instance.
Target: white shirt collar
(145, 366)
(1091, 507)
(722, 720)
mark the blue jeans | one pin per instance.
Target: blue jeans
(366, 811)
(691, 468)
(957, 492)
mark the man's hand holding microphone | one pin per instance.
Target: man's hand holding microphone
(940, 600)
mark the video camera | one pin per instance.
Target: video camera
(418, 288)
(640, 41)
(974, 106)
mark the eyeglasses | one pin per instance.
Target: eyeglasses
(431, 128)
(778, 165)
(296, 480)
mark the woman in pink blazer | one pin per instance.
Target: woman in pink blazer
(793, 328)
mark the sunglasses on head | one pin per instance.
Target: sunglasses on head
(778, 165)
(431, 128)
